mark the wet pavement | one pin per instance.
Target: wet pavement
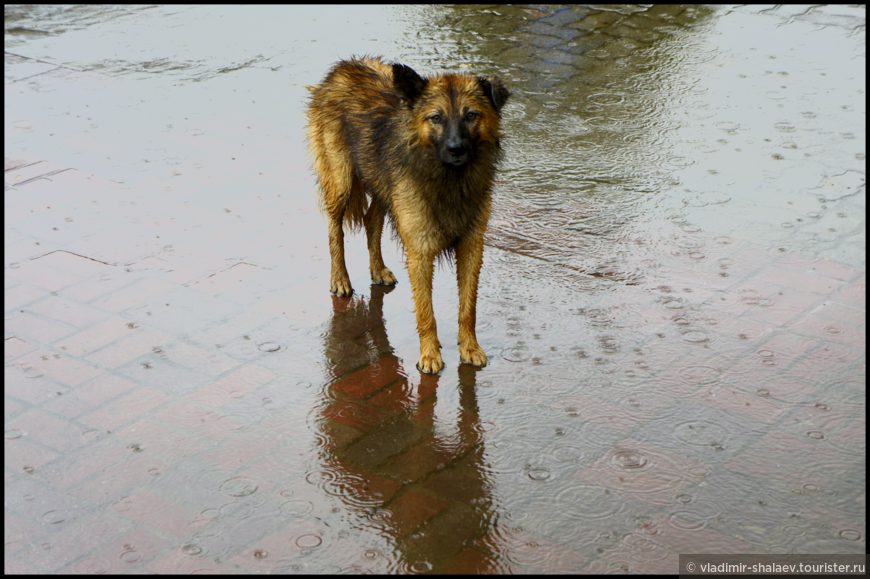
(672, 302)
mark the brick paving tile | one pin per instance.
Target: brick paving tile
(198, 420)
(637, 554)
(421, 460)
(125, 409)
(42, 276)
(36, 328)
(129, 348)
(72, 468)
(157, 513)
(200, 359)
(357, 416)
(124, 555)
(74, 264)
(243, 449)
(61, 435)
(372, 378)
(21, 455)
(234, 386)
(134, 295)
(20, 295)
(67, 311)
(643, 472)
(179, 562)
(410, 511)
(119, 480)
(160, 439)
(87, 397)
(472, 562)
(58, 367)
(97, 336)
(15, 348)
(280, 548)
(685, 537)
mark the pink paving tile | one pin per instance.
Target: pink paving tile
(234, 386)
(60, 368)
(169, 270)
(130, 348)
(200, 359)
(643, 472)
(421, 460)
(637, 554)
(59, 435)
(119, 480)
(74, 264)
(190, 254)
(853, 294)
(824, 268)
(227, 279)
(291, 305)
(99, 335)
(412, 510)
(87, 397)
(798, 280)
(21, 455)
(106, 283)
(472, 562)
(18, 533)
(72, 468)
(281, 547)
(20, 295)
(749, 404)
(156, 437)
(123, 555)
(15, 347)
(42, 276)
(178, 562)
(125, 409)
(685, 537)
(22, 382)
(202, 421)
(134, 295)
(67, 311)
(243, 449)
(597, 412)
(158, 513)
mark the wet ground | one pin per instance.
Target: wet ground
(672, 299)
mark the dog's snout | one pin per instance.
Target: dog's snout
(456, 149)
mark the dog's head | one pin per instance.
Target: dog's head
(454, 114)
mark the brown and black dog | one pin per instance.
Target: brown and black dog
(422, 151)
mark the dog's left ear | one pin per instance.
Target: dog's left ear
(408, 82)
(494, 90)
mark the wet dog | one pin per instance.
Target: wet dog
(388, 143)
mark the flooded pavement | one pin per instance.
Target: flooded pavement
(672, 298)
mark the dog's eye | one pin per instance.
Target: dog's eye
(470, 116)
(435, 118)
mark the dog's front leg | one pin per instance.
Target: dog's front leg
(420, 271)
(469, 258)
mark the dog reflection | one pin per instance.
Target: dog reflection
(405, 474)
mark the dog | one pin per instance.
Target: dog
(423, 152)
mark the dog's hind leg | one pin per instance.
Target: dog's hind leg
(336, 178)
(374, 222)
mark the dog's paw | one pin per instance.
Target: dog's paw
(430, 364)
(341, 288)
(474, 356)
(383, 277)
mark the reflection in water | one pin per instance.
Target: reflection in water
(385, 446)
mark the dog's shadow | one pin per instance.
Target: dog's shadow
(400, 466)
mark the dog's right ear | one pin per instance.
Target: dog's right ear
(408, 82)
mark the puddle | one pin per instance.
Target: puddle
(672, 297)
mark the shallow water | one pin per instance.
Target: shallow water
(671, 301)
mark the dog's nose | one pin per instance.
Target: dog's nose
(456, 150)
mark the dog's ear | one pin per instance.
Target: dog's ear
(494, 90)
(408, 82)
